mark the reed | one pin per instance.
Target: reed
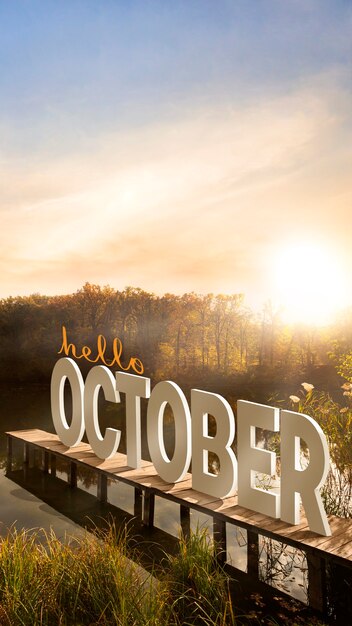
(198, 588)
(89, 580)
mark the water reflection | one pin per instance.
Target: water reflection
(21, 408)
(22, 509)
(283, 567)
(29, 407)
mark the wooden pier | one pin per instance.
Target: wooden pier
(320, 551)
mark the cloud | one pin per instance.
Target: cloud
(194, 203)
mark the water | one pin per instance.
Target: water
(20, 408)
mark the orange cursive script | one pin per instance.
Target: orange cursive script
(117, 349)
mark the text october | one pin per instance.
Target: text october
(193, 442)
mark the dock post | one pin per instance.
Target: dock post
(45, 461)
(138, 503)
(26, 453)
(53, 465)
(102, 491)
(149, 506)
(72, 475)
(9, 454)
(220, 544)
(252, 554)
(317, 594)
(185, 521)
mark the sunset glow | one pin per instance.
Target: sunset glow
(311, 284)
(134, 152)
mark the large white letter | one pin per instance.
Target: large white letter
(252, 459)
(67, 368)
(223, 484)
(100, 376)
(135, 388)
(170, 470)
(294, 480)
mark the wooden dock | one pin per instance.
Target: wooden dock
(319, 550)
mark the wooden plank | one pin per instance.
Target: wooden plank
(30, 433)
(341, 534)
(246, 517)
(33, 435)
(111, 465)
(344, 551)
(136, 476)
(224, 503)
(294, 531)
(276, 525)
(191, 496)
(168, 488)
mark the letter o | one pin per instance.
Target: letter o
(72, 434)
(103, 446)
(170, 470)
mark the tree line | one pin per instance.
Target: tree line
(194, 339)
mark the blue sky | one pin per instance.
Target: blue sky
(118, 62)
(207, 134)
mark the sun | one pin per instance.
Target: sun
(309, 282)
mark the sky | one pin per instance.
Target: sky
(177, 146)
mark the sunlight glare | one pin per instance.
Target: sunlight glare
(309, 283)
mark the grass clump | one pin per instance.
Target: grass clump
(21, 588)
(90, 580)
(197, 587)
(336, 421)
(87, 581)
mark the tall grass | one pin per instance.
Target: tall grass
(198, 588)
(90, 581)
(86, 581)
(336, 422)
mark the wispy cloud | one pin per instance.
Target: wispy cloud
(193, 203)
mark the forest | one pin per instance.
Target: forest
(211, 340)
